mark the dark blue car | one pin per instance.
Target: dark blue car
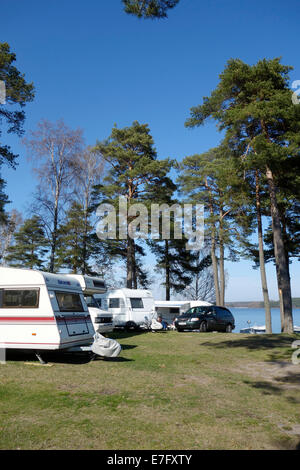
(206, 318)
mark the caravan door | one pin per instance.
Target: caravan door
(141, 309)
(117, 307)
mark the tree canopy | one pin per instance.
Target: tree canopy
(253, 105)
(18, 93)
(149, 8)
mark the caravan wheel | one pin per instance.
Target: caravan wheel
(131, 326)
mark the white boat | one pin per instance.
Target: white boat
(254, 329)
(262, 329)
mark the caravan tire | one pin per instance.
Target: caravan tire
(131, 326)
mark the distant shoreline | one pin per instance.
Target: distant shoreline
(260, 304)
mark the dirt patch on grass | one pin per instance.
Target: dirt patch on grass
(293, 430)
(77, 388)
(194, 379)
(284, 374)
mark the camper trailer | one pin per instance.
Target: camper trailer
(42, 311)
(131, 308)
(102, 320)
(170, 309)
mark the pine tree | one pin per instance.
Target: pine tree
(3, 202)
(17, 93)
(149, 8)
(134, 171)
(30, 246)
(209, 179)
(253, 105)
(75, 242)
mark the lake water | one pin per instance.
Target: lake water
(257, 317)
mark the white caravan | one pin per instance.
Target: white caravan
(131, 308)
(170, 309)
(42, 311)
(90, 285)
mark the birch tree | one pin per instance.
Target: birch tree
(53, 148)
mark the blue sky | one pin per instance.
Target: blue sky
(95, 66)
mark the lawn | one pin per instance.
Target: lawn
(165, 391)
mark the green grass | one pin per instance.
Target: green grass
(165, 391)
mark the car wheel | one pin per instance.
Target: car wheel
(179, 330)
(229, 328)
(203, 327)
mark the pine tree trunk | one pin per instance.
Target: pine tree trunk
(280, 257)
(134, 269)
(129, 282)
(167, 270)
(280, 299)
(221, 263)
(222, 275)
(215, 267)
(262, 258)
(213, 250)
(284, 235)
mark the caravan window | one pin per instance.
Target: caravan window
(69, 302)
(114, 303)
(136, 302)
(16, 298)
(99, 284)
(174, 311)
(91, 301)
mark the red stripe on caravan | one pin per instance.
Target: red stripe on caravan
(59, 344)
(62, 319)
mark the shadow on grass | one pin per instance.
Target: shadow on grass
(255, 342)
(290, 378)
(278, 346)
(121, 333)
(268, 388)
(128, 346)
(61, 357)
